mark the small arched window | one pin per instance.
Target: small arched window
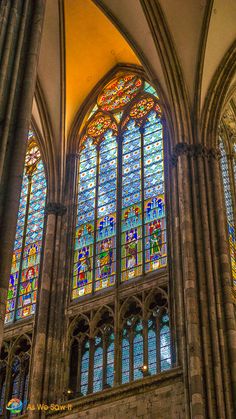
(120, 214)
(23, 284)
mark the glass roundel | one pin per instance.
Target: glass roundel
(120, 229)
(119, 92)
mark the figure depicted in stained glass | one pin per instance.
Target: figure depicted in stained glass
(83, 266)
(32, 255)
(131, 247)
(105, 259)
(155, 243)
(85, 235)
(132, 217)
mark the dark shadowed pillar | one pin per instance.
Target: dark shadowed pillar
(46, 309)
(21, 25)
(208, 327)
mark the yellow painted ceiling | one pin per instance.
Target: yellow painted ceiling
(93, 46)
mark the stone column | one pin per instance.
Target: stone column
(46, 309)
(20, 34)
(208, 329)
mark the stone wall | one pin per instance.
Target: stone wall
(160, 397)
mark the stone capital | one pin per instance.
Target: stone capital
(55, 208)
(193, 151)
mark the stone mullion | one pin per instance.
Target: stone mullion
(42, 314)
(17, 131)
(217, 293)
(225, 271)
(178, 290)
(191, 302)
(199, 206)
(211, 320)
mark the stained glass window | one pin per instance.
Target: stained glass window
(229, 207)
(125, 357)
(23, 284)
(120, 213)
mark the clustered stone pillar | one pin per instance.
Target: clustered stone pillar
(207, 331)
(45, 345)
(21, 25)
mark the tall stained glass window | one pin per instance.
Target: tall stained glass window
(23, 284)
(120, 213)
(227, 145)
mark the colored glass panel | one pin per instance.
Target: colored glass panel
(229, 208)
(138, 350)
(152, 347)
(119, 92)
(165, 344)
(84, 233)
(125, 357)
(84, 369)
(23, 284)
(98, 364)
(110, 360)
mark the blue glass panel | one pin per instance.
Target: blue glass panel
(125, 358)
(138, 351)
(152, 349)
(84, 369)
(110, 361)
(98, 365)
(165, 344)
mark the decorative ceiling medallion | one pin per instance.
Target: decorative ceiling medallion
(119, 92)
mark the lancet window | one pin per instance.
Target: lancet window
(23, 284)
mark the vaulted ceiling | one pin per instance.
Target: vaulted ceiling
(84, 39)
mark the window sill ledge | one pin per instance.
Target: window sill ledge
(122, 391)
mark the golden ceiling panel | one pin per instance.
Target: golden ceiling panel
(93, 46)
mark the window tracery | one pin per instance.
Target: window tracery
(23, 284)
(142, 346)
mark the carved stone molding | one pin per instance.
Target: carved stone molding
(55, 208)
(193, 150)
